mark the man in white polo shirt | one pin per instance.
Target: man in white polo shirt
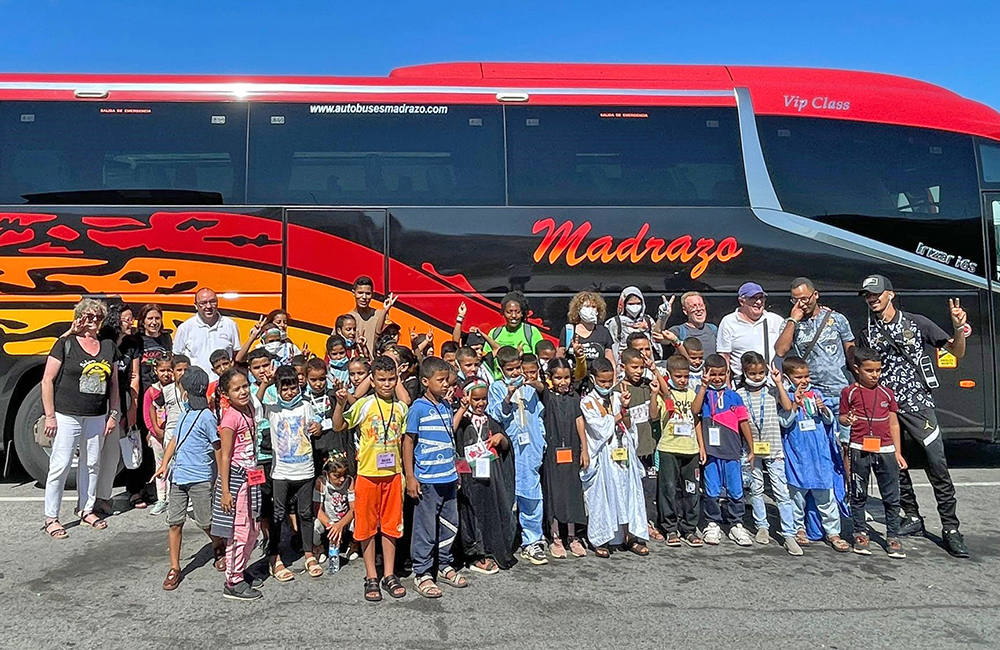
(750, 327)
(205, 332)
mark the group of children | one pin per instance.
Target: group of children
(462, 460)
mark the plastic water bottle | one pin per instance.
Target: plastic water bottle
(333, 563)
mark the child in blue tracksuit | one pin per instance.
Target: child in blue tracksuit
(809, 463)
(518, 409)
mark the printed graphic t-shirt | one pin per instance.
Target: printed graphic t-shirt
(84, 381)
(381, 426)
(291, 444)
(244, 453)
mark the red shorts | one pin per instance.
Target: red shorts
(378, 505)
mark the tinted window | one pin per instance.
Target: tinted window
(621, 156)
(989, 156)
(376, 154)
(916, 189)
(63, 146)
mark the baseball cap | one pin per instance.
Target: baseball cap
(875, 284)
(474, 339)
(749, 289)
(195, 384)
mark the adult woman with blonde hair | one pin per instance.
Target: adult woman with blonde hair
(81, 403)
(587, 311)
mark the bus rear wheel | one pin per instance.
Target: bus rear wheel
(33, 457)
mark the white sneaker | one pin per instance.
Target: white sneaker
(740, 535)
(712, 534)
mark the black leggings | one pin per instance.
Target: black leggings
(284, 492)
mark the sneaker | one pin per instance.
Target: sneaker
(712, 534)
(240, 591)
(577, 548)
(673, 538)
(911, 525)
(861, 544)
(254, 581)
(158, 508)
(693, 540)
(763, 536)
(535, 553)
(954, 543)
(557, 550)
(792, 546)
(740, 535)
(894, 549)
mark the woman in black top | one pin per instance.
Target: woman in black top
(78, 387)
(155, 343)
(587, 311)
(118, 327)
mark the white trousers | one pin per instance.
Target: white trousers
(72, 431)
(111, 453)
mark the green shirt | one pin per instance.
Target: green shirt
(504, 336)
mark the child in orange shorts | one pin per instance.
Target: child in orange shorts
(378, 493)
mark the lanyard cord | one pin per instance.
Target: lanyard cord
(385, 424)
(759, 425)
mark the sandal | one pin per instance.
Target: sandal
(639, 548)
(392, 584)
(426, 586)
(654, 534)
(55, 529)
(172, 580)
(372, 592)
(801, 539)
(486, 566)
(220, 561)
(839, 544)
(137, 502)
(313, 568)
(281, 573)
(602, 551)
(453, 577)
(93, 521)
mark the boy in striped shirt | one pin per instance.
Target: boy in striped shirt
(432, 480)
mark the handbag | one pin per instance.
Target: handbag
(131, 444)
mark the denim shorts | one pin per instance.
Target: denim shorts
(199, 495)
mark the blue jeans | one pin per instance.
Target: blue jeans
(529, 513)
(826, 504)
(754, 476)
(718, 474)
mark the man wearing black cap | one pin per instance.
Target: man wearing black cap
(903, 341)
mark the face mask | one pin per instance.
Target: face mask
(516, 382)
(696, 368)
(588, 314)
(717, 386)
(670, 382)
(290, 404)
(348, 343)
(754, 384)
(602, 391)
(633, 310)
(339, 364)
(185, 406)
(274, 347)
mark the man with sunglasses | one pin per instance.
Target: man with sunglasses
(820, 336)
(750, 327)
(205, 332)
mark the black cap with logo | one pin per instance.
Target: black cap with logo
(875, 284)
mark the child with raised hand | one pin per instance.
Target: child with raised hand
(565, 451)
(488, 526)
(333, 500)
(432, 481)
(156, 419)
(449, 350)
(236, 505)
(518, 409)
(869, 409)
(321, 400)
(677, 455)
(381, 422)
(612, 477)
(808, 446)
(762, 399)
(194, 453)
(293, 425)
(724, 432)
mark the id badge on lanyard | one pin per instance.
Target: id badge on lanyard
(255, 476)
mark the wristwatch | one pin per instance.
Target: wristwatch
(114, 415)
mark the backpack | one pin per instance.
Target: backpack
(528, 332)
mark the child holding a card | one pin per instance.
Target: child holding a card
(611, 472)
(721, 439)
(808, 446)
(565, 449)
(869, 409)
(486, 494)
(518, 408)
(378, 505)
(762, 399)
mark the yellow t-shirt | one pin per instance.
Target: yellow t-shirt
(678, 435)
(381, 426)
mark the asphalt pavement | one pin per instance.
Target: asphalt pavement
(102, 589)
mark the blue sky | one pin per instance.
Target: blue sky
(951, 44)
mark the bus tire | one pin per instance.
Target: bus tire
(32, 456)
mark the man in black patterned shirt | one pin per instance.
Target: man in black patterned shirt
(904, 340)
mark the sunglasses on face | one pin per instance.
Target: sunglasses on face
(90, 318)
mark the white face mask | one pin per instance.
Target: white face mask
(634, 309)
(274, 347)
(588, 314)
(754, 384)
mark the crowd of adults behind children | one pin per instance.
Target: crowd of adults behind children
(625, 429)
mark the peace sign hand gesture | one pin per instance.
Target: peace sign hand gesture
(258, 329)
(668, 305)
(958, 316)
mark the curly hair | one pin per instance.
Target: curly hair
(578, 301)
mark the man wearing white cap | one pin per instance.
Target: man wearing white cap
(750, 327)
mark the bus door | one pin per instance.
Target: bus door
(991, 208)
(326, 250)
